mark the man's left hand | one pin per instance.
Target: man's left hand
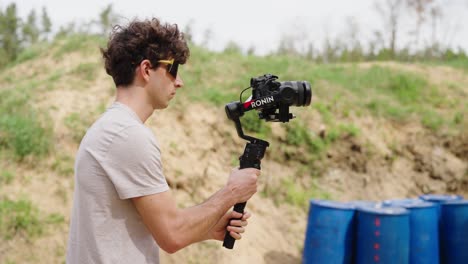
(235, 227)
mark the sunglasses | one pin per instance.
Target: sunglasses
(172, 67)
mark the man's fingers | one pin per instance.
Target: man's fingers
(256, 171)
(238, 223)
(246, 215)
(235, 235)
(236, 226)
(236, 215)
(236, 229)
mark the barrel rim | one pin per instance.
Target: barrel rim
(331, 204)
(388, 211)
(413, 204)
(409, 200)
(440, 197)
(455, 203)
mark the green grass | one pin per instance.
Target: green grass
(54, 219)
(31, 53)
(458, 118)
(21, 127)
(19, 216)
(252, 123)
(86, 71)
(389, 110)
(389, 93)
(24, 135)
(294, 193)
(324, 110)
(6, 177)
(457, 63)
(55, 76)
(300, 136)
(299, 195)
(23, 217)
(404, 87)
(79, 122)
(64, 165)
(432, 120)
(77, 42)
(77, 125)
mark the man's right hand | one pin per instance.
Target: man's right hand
(243, 183)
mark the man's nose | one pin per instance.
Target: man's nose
(179, 83)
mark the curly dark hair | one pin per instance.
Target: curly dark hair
(140, 40)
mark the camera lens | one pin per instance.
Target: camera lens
(307, 93)
(302, 92)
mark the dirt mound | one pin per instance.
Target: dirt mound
(199, 148)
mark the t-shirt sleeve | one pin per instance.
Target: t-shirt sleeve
(133, 164)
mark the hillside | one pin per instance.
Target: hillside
(374, 131)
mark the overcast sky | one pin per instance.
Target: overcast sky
(257, 23)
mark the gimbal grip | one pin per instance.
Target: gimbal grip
(253, 153)
(228, 239)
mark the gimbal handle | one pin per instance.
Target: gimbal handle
(251, 158)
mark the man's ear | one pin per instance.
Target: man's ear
(143, 69)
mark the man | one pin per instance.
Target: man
(123, 210)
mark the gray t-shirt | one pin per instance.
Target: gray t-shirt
(118, 158)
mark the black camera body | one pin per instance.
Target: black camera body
(272, 98)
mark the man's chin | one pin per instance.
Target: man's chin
(161, 107)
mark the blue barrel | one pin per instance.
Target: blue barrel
(424, 232)
(440, 198)
(382, 235)
(330, 233)
(454, 232)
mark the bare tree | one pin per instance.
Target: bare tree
(188, 30)
(294, 38)
(352, 35)
(107, 19)
(310, 53)
(251, 50)
(46, 24)
(30, 29)
(10, 26)
(436, 15)
(208, 36)
(286, 46)
(233, 48)
(352, 31)
(421, 8)
(390, 11)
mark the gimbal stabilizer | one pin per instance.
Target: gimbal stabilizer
(272, 100)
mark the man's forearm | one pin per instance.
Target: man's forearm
(196, 222)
